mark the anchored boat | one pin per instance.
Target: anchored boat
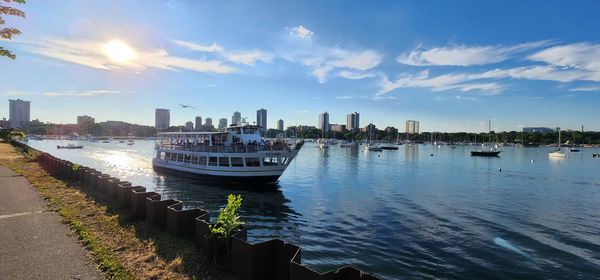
(490, 151)
(70, 146)
(237, 155)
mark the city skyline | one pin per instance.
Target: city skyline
(395, 62)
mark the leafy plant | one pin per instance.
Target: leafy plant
(228, 220)
(8, 32)
(75, 167)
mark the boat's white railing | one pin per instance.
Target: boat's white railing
(234, 148)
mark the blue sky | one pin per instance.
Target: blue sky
(450, 64)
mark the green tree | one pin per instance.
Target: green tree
(9, 32)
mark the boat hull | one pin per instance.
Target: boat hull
(221, 179)
(485, 153)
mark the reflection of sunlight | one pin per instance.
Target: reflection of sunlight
(125, 164)
(118, 159)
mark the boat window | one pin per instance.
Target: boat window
(284, 160)
(163, 155)
(237, 162)
(252, 162)
(269, 161)
(194, 160)
(202, 160)
(187, 158)
(212, 161)
(172, 157)
(224, 161)
(180, 157)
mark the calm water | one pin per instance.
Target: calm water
(407, 214)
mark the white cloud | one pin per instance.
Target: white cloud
(325, 60)
(249, 57)
(87, 93)
(589, 88)
(462, 82)
(582, 57)
(90, 54)
(466, 55)
(353, 75)
(363, 60)
(199, 48)
(301, 32)
(383, 97)
(344, 97)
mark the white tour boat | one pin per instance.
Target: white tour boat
(237, 155)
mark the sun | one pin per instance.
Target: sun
(118, 51)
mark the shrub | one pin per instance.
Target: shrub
(228, 220)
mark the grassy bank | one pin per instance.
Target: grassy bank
(123, 247)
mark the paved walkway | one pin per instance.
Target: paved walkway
(34, 244)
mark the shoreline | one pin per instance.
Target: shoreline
(122, 247)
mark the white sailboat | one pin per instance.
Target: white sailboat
(557, 153)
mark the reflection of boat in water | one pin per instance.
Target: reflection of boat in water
(265, 208)
(70, 146)
(239, 154)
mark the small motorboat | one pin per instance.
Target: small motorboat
(575, 150)
(596, 155)
(373, 148)
(70, 146)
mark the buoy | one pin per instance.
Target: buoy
(431, 155)
(499, 169)
(378, 155)
(532, 161)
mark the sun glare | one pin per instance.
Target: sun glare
(118, 51)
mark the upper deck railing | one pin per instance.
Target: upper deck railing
(220, 148)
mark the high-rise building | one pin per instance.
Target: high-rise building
(412, 127)
(222, 124)
(85, 120)
(236, 118)
(162, 119)
(353, 122)
(323, 122)
(85, 124)
(198, 123)
(261, 118)
(208, 121)
(189, 126)
(19, 113)
(280, 125)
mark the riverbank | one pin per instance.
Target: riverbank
(122, 247)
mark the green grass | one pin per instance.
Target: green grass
(112, 267)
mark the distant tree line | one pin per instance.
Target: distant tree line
(112, 128)
(577, 137)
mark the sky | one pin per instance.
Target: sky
(452, 65)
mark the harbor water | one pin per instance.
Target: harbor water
(420, 212)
